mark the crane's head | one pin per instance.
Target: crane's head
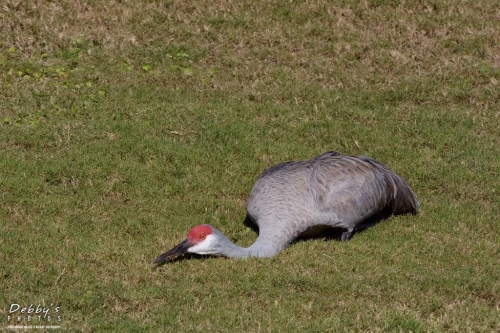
(201, 239)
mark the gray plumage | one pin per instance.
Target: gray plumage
(296, 198)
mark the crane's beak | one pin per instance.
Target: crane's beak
(177, 250)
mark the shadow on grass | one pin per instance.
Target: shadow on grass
(187, 256)
(328, 233)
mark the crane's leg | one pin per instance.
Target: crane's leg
(346, 235)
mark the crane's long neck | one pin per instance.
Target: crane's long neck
(235, 251)
(260, 248)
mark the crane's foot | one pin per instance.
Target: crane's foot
(346, 235)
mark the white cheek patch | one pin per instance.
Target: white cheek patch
(206, 246)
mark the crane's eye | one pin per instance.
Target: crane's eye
(203, 236)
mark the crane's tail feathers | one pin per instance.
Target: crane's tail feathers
(403, 200)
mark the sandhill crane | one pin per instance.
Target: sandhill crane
(293, 198)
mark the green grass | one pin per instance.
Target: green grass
(123, 124)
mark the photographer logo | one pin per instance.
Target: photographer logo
(33, 316)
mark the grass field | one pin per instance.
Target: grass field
(125, 123)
